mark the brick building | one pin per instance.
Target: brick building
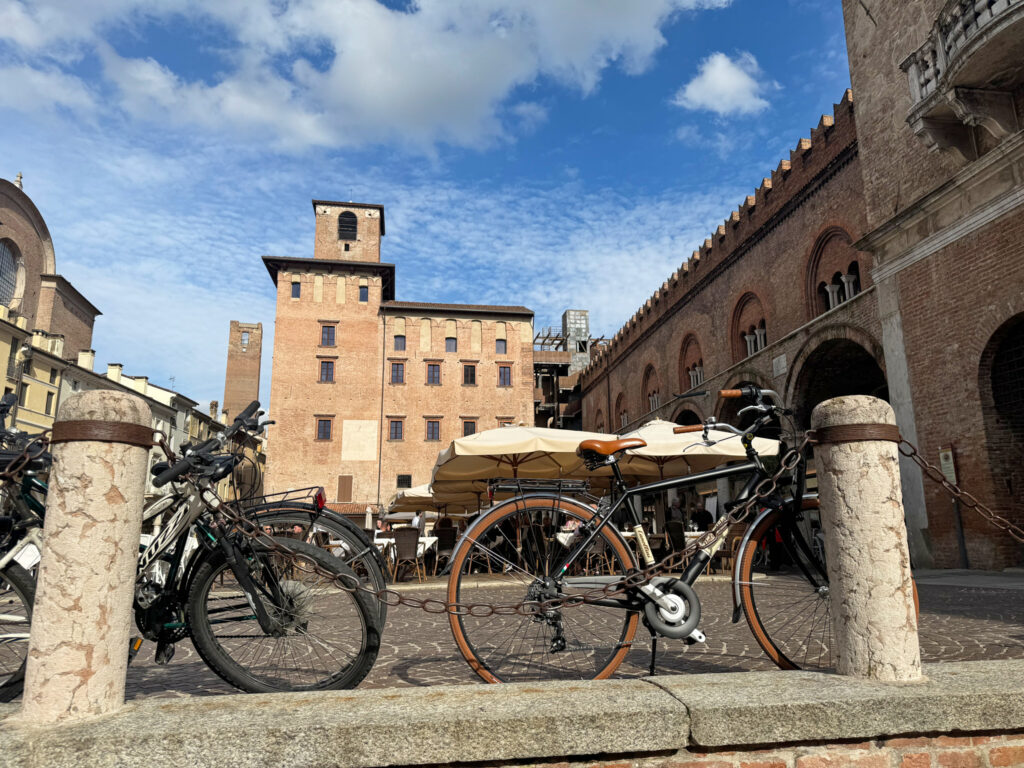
(365, 389)
(868, 263)
(44, 322)
(242, 374)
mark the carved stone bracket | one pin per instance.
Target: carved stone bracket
(991, 110)
(945, 134)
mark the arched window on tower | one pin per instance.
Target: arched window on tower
(347, 226)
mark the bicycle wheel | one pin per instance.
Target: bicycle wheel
(329, 639)
(17, 593)
(335, 534)
(784, 593)
(506, 558)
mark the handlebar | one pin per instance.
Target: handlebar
(688, 428)
(730, 393)
(173, 472)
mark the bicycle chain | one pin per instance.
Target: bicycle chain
(629, 581)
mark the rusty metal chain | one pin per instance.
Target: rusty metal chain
(34, 448)
(628, 582)
(934, 474)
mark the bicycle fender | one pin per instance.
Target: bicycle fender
(737, 609)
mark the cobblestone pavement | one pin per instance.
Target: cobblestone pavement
(958, 623)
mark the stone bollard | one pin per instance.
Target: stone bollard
(868, 562)
(81, 623)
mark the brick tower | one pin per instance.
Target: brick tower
(242, 380)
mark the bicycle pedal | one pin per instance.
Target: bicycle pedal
(164, 653)
(133, 648)
(696, 637)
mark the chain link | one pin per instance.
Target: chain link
(628, 582)
(934, 474)
(34, 448)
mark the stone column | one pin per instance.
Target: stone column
(849, 286)
(866, 551)
(833, 296)
(81, 623)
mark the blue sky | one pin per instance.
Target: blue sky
(552, 153)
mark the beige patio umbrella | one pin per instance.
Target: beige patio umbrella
(411, 499)
(423, 498)
(514, 452)
(670, 455)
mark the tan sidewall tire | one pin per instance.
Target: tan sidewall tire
(744, 565)
(511, 506)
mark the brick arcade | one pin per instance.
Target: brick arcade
(885, 256)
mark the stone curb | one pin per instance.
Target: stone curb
(449, 724)
(776, 707)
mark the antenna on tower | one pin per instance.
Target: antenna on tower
(172, 380)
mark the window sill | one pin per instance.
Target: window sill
(433, 384)
(325, 382)
(397, 383)
(469, 385)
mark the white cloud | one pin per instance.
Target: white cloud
(726, 86)
(36, 90)
(326, 73)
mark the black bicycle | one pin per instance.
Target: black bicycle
(541, 547)
(262, 619)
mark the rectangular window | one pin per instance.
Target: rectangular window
(468, 428)
(433, 373)
(245, 338)
(451, 344)
(49, 403)
(296, 290)
(399, 343)
(501, 346)
(469, 375)
(22, 394)
(404, 481)
(53, 377)
(364, 293)
(433, 430)
(395, 429)
(398, 373)
(504, 375)
(323, 429)
(326, 370)
(327, 336)
(504, 423)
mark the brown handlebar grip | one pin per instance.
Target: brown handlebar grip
(688, 428)
(730, 393)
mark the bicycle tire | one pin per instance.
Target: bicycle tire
(802, 639)
(17, 595)
(541, 661)
(356, 550)
(357, 636)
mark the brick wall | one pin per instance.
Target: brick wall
(452, 402)
(899, 168)
(932, 751)
(365, 246)
(952, 304)
(23, 226)
(242, 374)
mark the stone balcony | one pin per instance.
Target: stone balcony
(968, 75)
